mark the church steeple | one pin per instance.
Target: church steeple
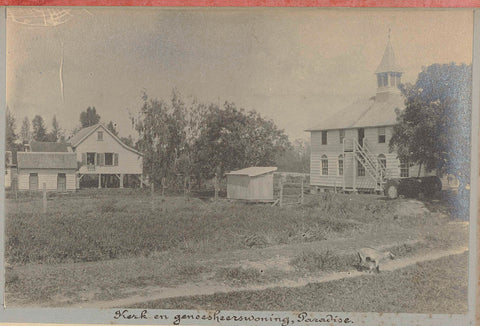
(388, 72)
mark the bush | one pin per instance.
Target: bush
(324, 261)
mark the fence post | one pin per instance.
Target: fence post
(152, 189)
(44, 198)
(215, 186)
(280, 184)
(301, 201)
(185, 186)
(164, 206)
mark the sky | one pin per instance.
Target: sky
(295, 66)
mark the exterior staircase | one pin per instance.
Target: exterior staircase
(374, 168)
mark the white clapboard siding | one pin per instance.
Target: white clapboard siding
(129, 162)
(47, 176)
(334, 148)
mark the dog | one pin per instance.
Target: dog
(372, 258)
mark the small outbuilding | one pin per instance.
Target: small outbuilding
(46, 163)
(253, 184)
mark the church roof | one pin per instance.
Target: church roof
(388, 61)
(365, 113)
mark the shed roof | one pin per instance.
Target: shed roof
(254, 171)
(38, 160)
(365, 113)
(44, 146)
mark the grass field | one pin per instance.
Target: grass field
(95, 226)
(106, 244)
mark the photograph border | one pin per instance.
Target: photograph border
(106, 316)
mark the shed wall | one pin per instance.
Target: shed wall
(49, 177)
(261, 187)
(250, 188)
(237, 187)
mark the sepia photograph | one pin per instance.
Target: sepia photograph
(240, 159)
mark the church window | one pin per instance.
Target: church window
(324, 137)
(342, 135)
(324, 165)
(381, 135)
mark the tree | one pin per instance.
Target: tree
(39, 131)
(195, 139)
(25, 134)
(296, 158)
(233, 139)
(128, 141)
(113, 128)
(89, 117)
(154, 138)
(57, 133)
(10, 135)
(433, 129)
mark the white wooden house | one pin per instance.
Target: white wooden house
(104, 156)
(46, 163)
(350, 150)
(252, 184)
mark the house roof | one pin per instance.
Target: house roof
(253, 171)
(38, 160)
(365, 113)
(388, 63)
(82, 134)
(42, 146)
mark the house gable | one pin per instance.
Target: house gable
(86, 133)
(101, 152)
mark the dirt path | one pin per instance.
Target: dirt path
(156, 293)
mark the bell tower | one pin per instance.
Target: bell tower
(388, 73)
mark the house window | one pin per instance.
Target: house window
(340, 164)
(405, 168)
(100, 135)
(360, 168)
(90, 158)
(324, 165)
(324, 138)
(342, 135)
(108, 159)
(382, 161)
(381, 135)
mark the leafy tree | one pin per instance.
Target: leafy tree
(57, 133)
(296, 158)
(433, 130)
(128, 141)
(39, 131)
(89, 117)
(233, 139)
(10, 135)
(194, 139)
(113, 128)
(25, 134)
(154, 138)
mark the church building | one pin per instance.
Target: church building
(350, 150)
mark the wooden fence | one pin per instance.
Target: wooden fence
(290, 188)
